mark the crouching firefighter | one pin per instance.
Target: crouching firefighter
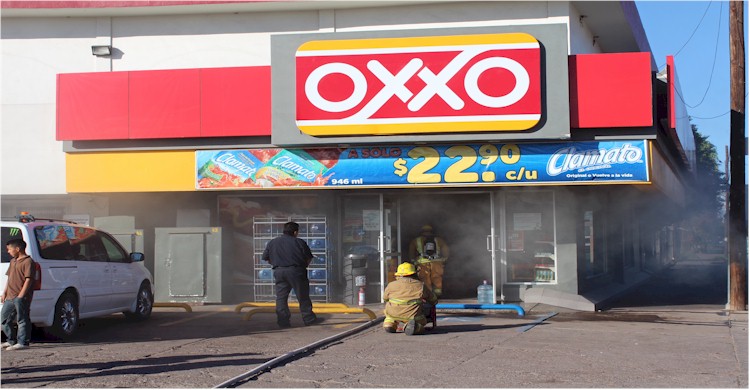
(429, 253)
(405, 300)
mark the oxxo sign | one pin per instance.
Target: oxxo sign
(441, 84)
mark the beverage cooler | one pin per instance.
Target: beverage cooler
(312, 229)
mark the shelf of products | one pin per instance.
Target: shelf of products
(312, 229)
(544, 258)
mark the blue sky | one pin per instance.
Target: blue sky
(697, 34)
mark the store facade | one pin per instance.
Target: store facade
(552, 165)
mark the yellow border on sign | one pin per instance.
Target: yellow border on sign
(130, 171)
(388, 43)
(418, 128)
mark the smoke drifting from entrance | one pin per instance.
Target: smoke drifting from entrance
(463, 221)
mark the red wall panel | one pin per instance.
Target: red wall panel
(165, 104)
(671, 86)
(92, 106)
(235, 101)
(215, 102)
(611, 90)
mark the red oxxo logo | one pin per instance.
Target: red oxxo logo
(466, 83)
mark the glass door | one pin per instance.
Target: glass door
(370, 245)
(496, 244)
(390, 254)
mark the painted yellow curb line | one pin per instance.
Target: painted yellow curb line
(322, 310)
(316, 305)
(174, 304)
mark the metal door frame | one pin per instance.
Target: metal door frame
(494, 240)
(384, 241)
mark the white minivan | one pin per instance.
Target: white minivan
(82, 272)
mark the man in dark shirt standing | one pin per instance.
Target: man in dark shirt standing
(290, 257)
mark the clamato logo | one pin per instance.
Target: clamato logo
(442, 84)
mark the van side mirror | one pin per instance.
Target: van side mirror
(137, 256)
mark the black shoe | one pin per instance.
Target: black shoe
(317, 320)
(410, 327)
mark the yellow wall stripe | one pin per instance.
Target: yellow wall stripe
(130, 171)
(384, 43)
(418, 128)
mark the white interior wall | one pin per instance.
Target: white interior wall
(581, 39)
(202, 41)
(474, 14)
(34, 51)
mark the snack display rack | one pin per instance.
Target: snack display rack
(312, 229)
(545, 267)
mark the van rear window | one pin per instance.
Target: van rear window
(9, 233)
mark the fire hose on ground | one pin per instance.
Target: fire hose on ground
(289, 355)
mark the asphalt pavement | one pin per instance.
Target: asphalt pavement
(671, 332)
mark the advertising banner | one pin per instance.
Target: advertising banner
(437, 165)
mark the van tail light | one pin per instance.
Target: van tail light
(37, 276)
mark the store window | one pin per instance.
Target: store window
(594, 245)
(255, 220)
(530, 227)
(628, 242)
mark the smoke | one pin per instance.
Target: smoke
(463, 221)
(630, 230)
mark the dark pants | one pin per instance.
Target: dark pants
(15, 320)
(287, 279)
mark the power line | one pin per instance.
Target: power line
(714, 117)
(710, 117)
(713, 65)
(694, 30)
(696, 27)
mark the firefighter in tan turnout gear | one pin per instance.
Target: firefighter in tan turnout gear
(404, 302)
(429, 253)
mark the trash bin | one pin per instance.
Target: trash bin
(361, 264)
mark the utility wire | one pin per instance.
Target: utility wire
(714, 117)
(713, 65)
(694, 30)
(710, 117)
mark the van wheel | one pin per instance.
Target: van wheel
(143, 305)
(66, 316)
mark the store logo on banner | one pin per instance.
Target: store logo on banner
(467, 83)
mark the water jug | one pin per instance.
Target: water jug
(319, 290)
(485, 294)
(265, 274)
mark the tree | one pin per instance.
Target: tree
(705, 202)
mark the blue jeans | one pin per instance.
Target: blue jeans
(15, 320)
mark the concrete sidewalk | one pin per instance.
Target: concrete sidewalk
(670, 332)
(680, 347)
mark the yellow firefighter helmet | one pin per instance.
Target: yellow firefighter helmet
(405, 269)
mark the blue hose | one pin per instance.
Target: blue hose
(496, 306)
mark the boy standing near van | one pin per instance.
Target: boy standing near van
(16, 297)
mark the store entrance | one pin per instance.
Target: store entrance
(377, 230)
(464, 221)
